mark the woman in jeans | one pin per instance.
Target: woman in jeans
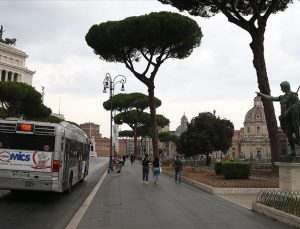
(156, 169)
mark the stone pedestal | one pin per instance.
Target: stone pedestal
(289, 175)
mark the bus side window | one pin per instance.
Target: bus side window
(62, 144)
(68, 149)
(80, 151)
(72, 150)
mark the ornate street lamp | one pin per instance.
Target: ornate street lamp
(110, 83)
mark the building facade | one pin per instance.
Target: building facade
(252, 141)
(99, 144)
(255, 142)
(183, 125)
(12, 65)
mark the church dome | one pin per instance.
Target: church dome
(256, 114)
(183, 126)
(184, 119)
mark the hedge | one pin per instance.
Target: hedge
(233, 170)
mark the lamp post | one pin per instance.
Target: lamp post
(110, 83)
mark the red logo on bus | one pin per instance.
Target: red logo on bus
(5, 156)
(40, 160)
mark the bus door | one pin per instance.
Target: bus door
(67, 151)
(81, 161)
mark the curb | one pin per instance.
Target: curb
(276, 214)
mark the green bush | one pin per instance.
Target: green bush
(235, 170)
(218, 167)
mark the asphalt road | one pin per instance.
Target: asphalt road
(35, 210)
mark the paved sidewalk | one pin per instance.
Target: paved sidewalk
(123, 201)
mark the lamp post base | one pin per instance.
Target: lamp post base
(110, 166)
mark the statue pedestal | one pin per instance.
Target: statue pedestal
(289, 174)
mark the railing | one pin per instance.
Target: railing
(284, 200)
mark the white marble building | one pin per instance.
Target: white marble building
(12, 65)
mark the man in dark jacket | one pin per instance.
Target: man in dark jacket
(145, 163)
(178, 168)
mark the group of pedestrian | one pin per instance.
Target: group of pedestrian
(156, 169)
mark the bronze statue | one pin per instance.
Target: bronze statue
(8, 41)
(290, 113)
(1, 33)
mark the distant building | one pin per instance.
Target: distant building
(252, 141)
(234, 150)
(183, 126)
(91, 129)
(93, 133)
(101, 145)
(12, 65)
(255, 142)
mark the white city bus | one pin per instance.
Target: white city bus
(42, 156)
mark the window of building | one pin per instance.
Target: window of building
(258, 129)
(3, 75)
(9, 76)
(248, 129)
(16, 77)
(258, 154)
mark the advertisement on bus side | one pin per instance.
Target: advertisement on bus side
(25, 160)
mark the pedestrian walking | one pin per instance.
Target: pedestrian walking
(178, 168)
(131, 158)
(145, 164)
(124, 158)
(156, 169)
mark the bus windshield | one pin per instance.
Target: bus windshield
(27, 142)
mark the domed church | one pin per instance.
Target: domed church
(255, 142)
(252, 141)
(183, 125)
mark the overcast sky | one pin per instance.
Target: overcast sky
(219, 75)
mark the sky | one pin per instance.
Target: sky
(218, 75)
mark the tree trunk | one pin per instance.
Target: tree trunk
(257, 47)
(134, 141)
(153, 119)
